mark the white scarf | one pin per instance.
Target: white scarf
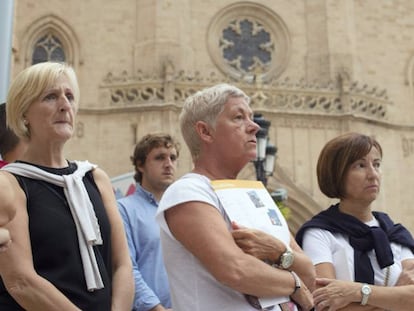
(87, 226)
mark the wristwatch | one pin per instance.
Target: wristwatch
(286, 259)
(365, 291)
(297, 282)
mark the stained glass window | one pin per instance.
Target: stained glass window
(247, 45)
(48, 48)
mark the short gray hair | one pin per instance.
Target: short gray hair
(205, 105)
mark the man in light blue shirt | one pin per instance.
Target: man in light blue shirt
(155, 162)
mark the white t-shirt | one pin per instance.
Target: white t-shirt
(192, 287)
(323, 246)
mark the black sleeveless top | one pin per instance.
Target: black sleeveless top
(54, 243)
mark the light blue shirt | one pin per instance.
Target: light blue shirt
(143, 234)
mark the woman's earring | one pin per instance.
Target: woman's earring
(25, 122)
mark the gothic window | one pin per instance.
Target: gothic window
(48, 48)
(49, 38)
(248, 41)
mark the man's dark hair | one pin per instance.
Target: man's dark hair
(144, 147)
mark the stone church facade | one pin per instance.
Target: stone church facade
(314, 68)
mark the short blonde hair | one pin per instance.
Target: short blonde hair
(27, 88)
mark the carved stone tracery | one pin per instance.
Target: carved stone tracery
(299, 97)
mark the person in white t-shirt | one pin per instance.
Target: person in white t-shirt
(207, 270)
(349, 241)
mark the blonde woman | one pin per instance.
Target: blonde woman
(69, 250)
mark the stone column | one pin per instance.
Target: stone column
(162, 30)
(331, 39)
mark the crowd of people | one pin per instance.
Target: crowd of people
(66, 242)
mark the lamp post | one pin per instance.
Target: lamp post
(266, 152)
(265, 157)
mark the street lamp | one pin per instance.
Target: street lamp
(266, 152)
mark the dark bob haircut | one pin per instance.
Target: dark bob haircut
(337, 156)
